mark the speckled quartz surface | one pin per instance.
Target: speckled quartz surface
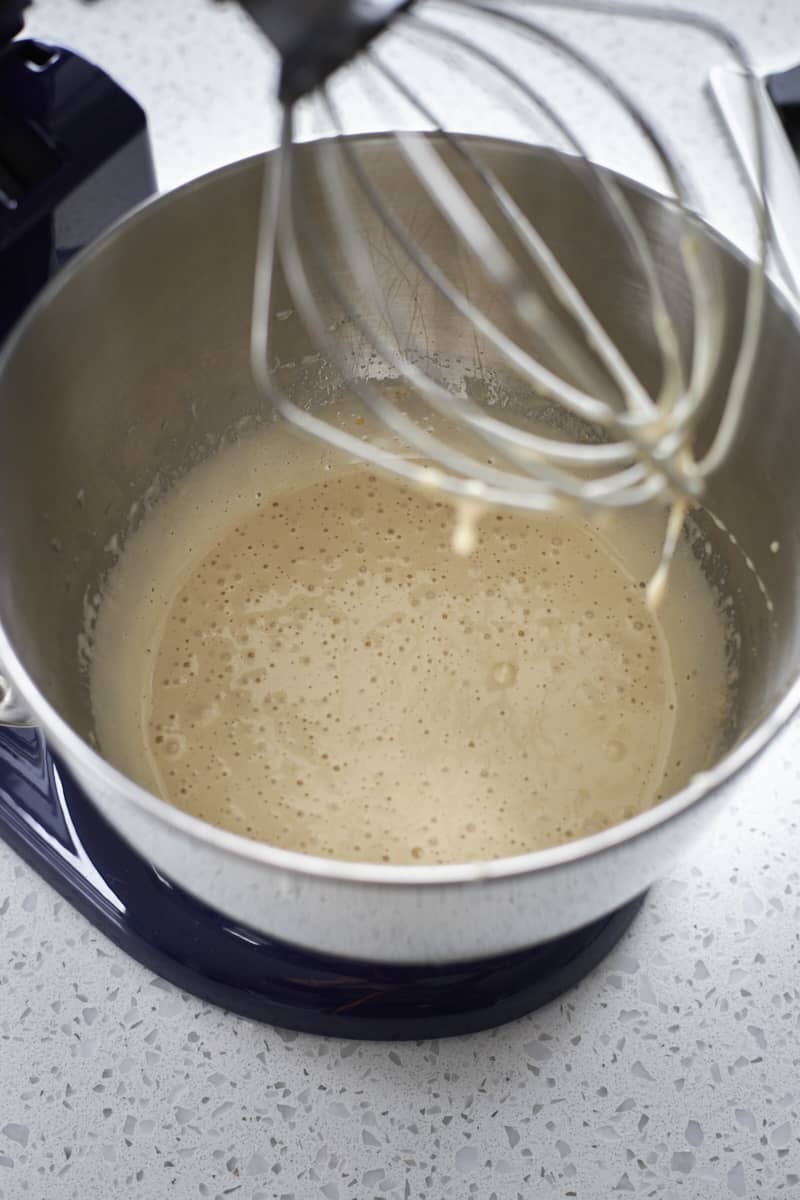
(673, 1071)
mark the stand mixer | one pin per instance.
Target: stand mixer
(47, 819)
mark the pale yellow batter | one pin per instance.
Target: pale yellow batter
(289, 648)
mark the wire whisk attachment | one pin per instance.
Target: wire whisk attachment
(462, 308)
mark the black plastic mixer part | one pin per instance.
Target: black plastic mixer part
(11, 19)
(784, 90)
(316, 37)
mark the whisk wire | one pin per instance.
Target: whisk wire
(539, 455)
(439, 397)
(679, 413)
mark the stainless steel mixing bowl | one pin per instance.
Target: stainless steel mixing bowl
(136, 360)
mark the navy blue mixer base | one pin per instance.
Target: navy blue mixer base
(48, 821)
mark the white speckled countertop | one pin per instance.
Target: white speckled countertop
(672, 1071)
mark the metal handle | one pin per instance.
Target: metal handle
(12, 710)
